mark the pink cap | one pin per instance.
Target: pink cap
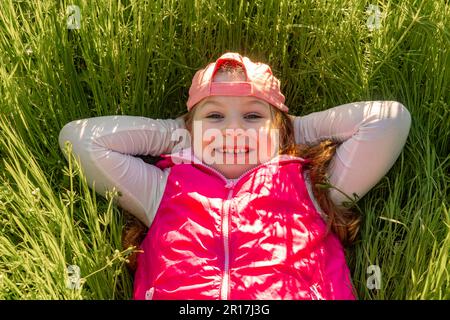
(260, 82)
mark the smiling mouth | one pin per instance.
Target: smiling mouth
(233, 150)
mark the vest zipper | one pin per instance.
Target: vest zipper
(229, 183)
(224, 289)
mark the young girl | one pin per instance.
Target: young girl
(237, 212)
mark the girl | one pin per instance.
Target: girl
(238, 212)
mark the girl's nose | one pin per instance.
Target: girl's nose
(234, 123)
(232, 131)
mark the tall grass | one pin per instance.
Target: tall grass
(138, 57)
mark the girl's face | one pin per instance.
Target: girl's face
(233, 134)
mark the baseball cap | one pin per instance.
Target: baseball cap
(259, 83)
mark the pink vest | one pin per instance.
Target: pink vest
(256, 237)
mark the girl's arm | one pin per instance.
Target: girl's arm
(372, 135)
(106, 147)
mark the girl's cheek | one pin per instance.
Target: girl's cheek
(268, 144)
(207, 140)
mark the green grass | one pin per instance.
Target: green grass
(138, 58)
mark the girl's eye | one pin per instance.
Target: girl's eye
(253, 116)
(214, 116)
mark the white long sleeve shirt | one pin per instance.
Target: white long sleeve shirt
(371, 136)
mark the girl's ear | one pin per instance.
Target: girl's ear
(189, 117)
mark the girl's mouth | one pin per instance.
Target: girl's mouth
(235, 150)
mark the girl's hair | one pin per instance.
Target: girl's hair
(341, 220)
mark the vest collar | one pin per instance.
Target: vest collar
(187, 155)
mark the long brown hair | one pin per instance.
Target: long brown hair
(343, 221)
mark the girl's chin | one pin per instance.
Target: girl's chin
(233, 171)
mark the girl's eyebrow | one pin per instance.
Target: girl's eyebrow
(255, 101)
(213, 102)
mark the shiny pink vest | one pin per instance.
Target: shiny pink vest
(256, 237)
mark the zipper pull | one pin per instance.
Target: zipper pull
(230, 184)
